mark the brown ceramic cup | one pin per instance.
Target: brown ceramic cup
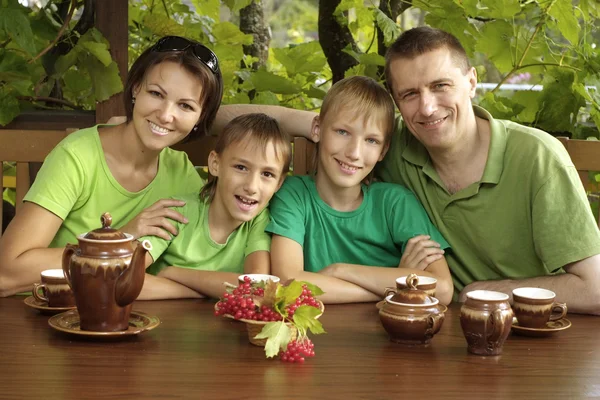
(534, 307)
(54, 289)
(426, 284)
(486, 319)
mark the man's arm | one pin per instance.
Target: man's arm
(287, 260)
(294, 122)
(376, 279)
(579, 287)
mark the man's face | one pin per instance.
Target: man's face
(434, 97)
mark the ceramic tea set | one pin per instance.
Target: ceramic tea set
(101, 277)
(411, 315)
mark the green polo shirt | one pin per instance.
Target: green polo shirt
(528, 216)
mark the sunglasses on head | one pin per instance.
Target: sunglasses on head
(178, 43)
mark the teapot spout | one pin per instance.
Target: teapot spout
(130, 283)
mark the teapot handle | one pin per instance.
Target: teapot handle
(66, 261)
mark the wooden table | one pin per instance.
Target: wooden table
(194, 354)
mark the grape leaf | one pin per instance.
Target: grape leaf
(495, 42)
(9, 108)
(305, 318)
(278, 335)
(210, 8)
(267, 81)
(17, 26)
(316, 291)
(389, 28)
(564, 17)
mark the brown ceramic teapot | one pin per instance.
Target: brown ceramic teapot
(106, 275)
(411, 316)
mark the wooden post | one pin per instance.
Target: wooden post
(112, 20)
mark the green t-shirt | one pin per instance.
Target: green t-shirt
(375, 234)
(194, 248)
(76, 184)
(528, 216)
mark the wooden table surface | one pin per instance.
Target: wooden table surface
(194, 354)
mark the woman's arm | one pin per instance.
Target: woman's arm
(158, 288)
(258, 262)
(287, 260)
(208, 283)
(24, 251)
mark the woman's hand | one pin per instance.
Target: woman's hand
(154, 220)
(420, 251)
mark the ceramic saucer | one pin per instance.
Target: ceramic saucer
(69, 322)
(550, 328)
(43, 307)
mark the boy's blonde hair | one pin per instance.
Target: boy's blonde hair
(254, 129)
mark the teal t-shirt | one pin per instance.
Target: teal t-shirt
(76, 184)
(375, 234)
(194, 248)
(527, 216)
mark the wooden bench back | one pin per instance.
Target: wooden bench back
(585, 155)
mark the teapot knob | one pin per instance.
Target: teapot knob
(106, 220)
(412, 280)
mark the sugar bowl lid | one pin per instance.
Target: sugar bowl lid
(106, 232)
(412, 295)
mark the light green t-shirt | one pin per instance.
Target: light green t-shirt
(76, 184)
(194, 248)
(528, 216)
(375, 234)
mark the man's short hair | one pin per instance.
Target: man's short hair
(421, 40)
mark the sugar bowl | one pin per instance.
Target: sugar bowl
(411, 316)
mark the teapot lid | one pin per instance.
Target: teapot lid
(412, 295)
(106, 232)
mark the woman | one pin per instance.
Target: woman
(172, 93)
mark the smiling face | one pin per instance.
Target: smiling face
(167, 106)
(350, 144)
(434, 96)
(248, 177)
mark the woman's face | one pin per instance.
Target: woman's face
(167, 105)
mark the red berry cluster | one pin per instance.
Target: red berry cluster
(240, 305)
(297, 350)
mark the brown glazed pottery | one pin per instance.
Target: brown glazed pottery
(426, 284)
(55, 289)
(106, 275)
(411, 316)
(486, 320)
(534, 307)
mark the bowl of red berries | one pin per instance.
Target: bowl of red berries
(277, 316)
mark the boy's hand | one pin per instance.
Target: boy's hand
(420, 251)
(154, 220)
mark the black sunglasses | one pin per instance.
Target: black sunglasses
(178, 43)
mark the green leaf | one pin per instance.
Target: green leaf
(267, 98)
(17, 26)
(106, 81)
(161, 25)
(305, 57)
(501, 9)
(266, 81)
(9, 108)
(278, 335)
(452, 19)
(228, 33)
(210, 8)
(388, 26)
(315, 92)
(315, 290)
(559, 104)
(12, 66)
(564, 17)
(98, 50)
(495, 43)
(500, 107)
(346, 5)
(305, 319)
(529, 100)
(237, 5)
(67, 61)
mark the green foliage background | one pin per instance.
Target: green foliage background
(552, 40)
